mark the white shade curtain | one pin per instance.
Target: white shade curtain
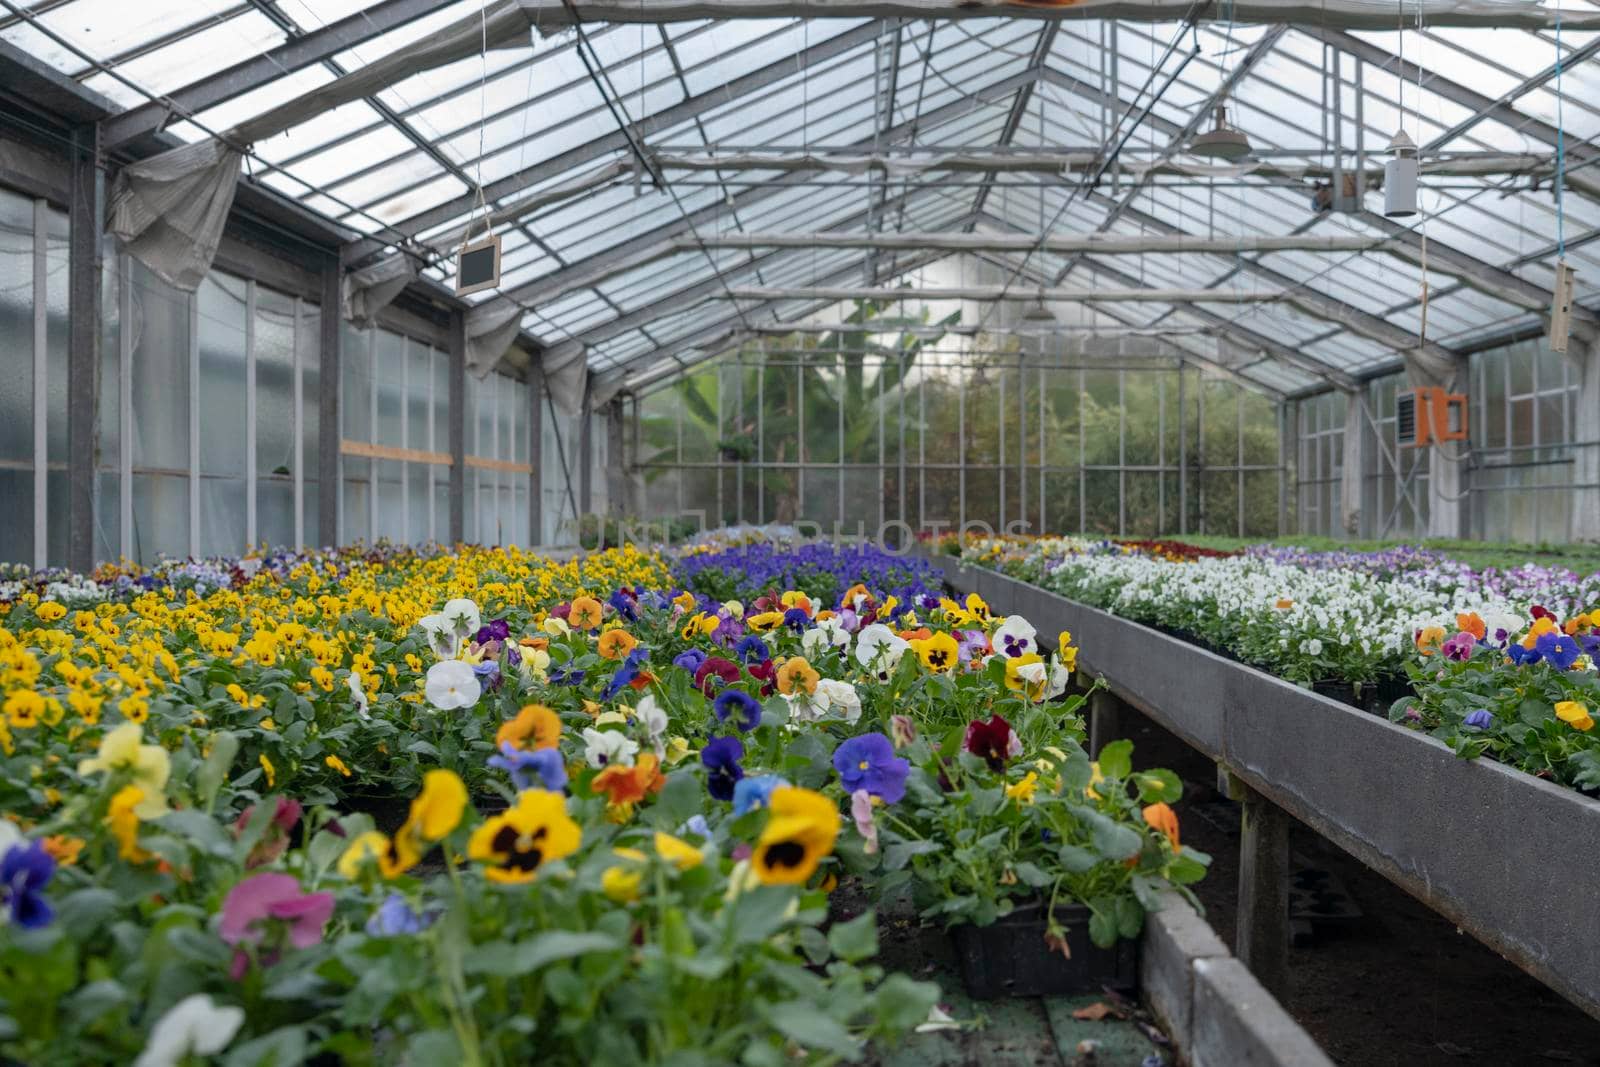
(372, 288)
(169, 210)
(491, 327)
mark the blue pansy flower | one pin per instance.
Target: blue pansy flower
(537, 769)
(1559, 650)
(752, 793)
(395, 917)
(1479, 720)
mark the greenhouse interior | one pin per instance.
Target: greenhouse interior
(733, 532)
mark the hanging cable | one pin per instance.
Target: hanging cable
(1561, 151)
(618, 108)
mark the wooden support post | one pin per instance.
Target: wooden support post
(1104, 712)
(1262, 938)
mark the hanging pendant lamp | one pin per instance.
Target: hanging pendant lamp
(1221, 142)
(1400, 178)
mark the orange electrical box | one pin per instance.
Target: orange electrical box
(1426, 415)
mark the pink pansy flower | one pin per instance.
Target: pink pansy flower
(255, 902)
(861, 812)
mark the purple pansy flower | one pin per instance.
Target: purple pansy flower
(690, 660)
(1460, 647)
(494, 630)
(1479, 720)
(25, 871)
(741, 707)
(868, 762)
(752, 650)
(721, 758)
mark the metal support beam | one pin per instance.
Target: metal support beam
(458, 426)
(328, 381)
(562, 282)
(1019, 108)
(86, 210)
(1585, 522)
(1369, 326)
(1001, 292)
(535, 453)
(311, 48)
(585, 459)
(617, 141)
(1351, 14)
(1243, 335)
(1482, 107)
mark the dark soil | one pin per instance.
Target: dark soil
(1397, 986)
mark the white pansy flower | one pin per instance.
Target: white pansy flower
(879, 649)
(654, 721)
(602, 748)
(1015, 637)
(353, 680)
(452, 685)
(442, 638)
(839, 698)
(463, 615)
(195, 1026)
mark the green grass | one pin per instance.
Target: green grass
(1584, 559)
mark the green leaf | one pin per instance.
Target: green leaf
(682, 797)
(1102, 928)
(81, 912)
(1076, 860)
(1158, 784)
(1585, 768)
(1112, 839)
(803, 1022)
(903, 1003)
(855, 940)
(814, 943)
(432, 1046)
(284, 1047)
(897, 855)
(507, 960)
(94, 1001)
(1116, 759)
(759, 913)
(200, 829)
(1032, 875)
(214, 771)
(707, 968)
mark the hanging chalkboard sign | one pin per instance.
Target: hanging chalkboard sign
(478, 266)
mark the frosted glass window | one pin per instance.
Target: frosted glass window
(222, 415)
(275, 428)
(309, 346)
(16, 385)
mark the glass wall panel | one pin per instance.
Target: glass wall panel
(16, 384)
(222, 414)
